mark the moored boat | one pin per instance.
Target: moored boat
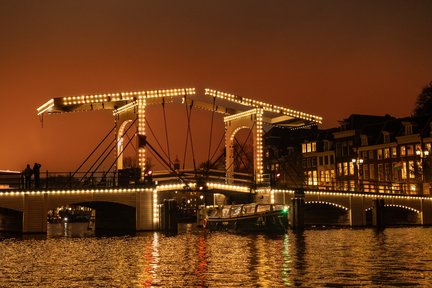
(245, 218)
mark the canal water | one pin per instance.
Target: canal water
(71, 256)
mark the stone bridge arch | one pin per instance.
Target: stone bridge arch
(324, 213)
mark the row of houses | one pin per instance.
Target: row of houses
(365, 153)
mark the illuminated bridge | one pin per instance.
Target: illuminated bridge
(129, 198)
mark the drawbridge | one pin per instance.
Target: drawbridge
(238, 113)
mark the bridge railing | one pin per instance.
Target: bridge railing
(368, 186)
(122, 178)
(131, 177)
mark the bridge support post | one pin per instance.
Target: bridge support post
(144, 210)
(378, 212)
(357, 211)
(169, 216)
(34, 214)
(296, 213)
(252, 119)
(426, 216)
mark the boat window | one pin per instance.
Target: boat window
(225, 212)
(235, 211)
(263, 208)
(213, 212)
(248, 209)
(278, 207)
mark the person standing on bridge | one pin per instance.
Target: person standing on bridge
(28, 172)
(36, 172)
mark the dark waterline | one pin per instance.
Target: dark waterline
(71, 256)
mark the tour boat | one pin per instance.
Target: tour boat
(244, 218)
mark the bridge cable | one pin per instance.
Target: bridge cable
(217, 148)
(166, 130)
(187, 137)
(166, 163)
(191, 138)
(133, 146)
(242, 151)
(154, 135)
(94, 150)
(106, 156)
(211, 133)
(247, 138)
(189, 131)
(118, 156)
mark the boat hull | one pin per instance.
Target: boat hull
(276, 222)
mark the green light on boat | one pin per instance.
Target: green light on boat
(285, 210)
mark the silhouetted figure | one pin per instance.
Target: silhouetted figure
(36, 172)
(28, 172)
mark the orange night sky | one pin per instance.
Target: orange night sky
(330, 58)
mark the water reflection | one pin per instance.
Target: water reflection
(71, 256)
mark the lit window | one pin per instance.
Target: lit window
(386, 153)
(410, 150)
(345, 165)
(313, 146)
(404, 171)
(379, 154)
(351, 168)
(411, 169)
(394, 152)
(402, 151)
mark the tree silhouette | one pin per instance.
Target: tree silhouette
(424, 102)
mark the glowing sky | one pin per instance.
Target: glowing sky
(330, 58)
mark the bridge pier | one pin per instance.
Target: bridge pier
(296, 213)
(144, 210)
(378, 212)
(34, 213)
(426, 215)
(357, 211)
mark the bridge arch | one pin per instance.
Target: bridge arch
(396, 214)
(11, 220)
(253, 120)
(323, 213)
(109, 215)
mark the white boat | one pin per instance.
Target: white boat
(244, 218)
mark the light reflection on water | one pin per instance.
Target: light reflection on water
(73, 257)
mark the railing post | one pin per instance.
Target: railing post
(70, 180)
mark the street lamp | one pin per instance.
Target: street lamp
(357, 162)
